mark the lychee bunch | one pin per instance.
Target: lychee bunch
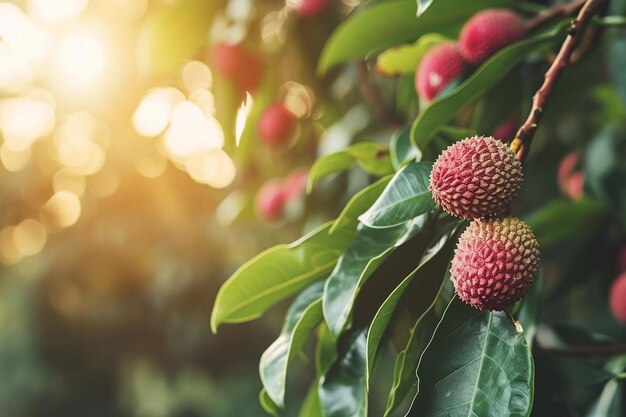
(440, 65)
(276, 125)
(617, 298)
(494, 263)
(489, 31)
(476, 178)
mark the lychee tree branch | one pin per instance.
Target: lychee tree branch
(525, 134)
(559, 11)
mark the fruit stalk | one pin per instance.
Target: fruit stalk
(525, 134)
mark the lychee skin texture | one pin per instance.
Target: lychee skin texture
(312, 8)
(441, 64)
(617, 298)
(489, 31)
(276, 125)
(494, 263)
(476, 178)
(271, 200)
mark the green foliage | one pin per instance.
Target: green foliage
(403, 60)
(488, 372)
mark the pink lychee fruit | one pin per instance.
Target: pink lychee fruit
(228, 59)
(296, 182)
(494, 263)
(476, 178)
(441, 64)
(312, 8)
(276, 125)
(617, 298)
(271, 200)
(251, 73)
(489, 31)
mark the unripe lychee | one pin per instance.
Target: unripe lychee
(506, 130)
(312, 8)
(494, 263)
(617, 298)
(441, 64)
(271, 200)
(476, 177)
(489, 31)
(228, 59)
(276, 125)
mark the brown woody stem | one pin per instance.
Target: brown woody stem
(525, 134)
(559, 11)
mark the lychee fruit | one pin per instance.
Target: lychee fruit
(617, 298)
(276, 125)
(296, 182)
(441, 64)
(228, 59)
(494, 263)
(476, 178)
(312, 8)
(251, 73)
(489, 31)
(506, 130)
(271, 200)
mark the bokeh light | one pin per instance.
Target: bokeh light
(62, 210)
(29, 237)
(57, 11)
(80, 57)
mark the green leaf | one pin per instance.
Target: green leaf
(609, 404)
(401, 148)
(383, 315)
(354, 267)
(404, 59)
(312, 406)
(360, 202)
(325, 351)
(342, 389)
(277, 273)
(267, 404)
(446, 106)
(390, 23)
(406, 197)
(477, 365)
(370, 156)
(562, 220)
(302, 318)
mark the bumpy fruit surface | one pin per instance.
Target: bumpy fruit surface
(442, 64)
(312, 8)
(276, 125)
(489, 31)
(476, 178)
(494, 263)
(271, 200)
(617, 298)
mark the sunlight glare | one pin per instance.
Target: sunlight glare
(242, 117)
(80, 57)
(57, 11)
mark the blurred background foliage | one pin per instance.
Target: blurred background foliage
(119, 220)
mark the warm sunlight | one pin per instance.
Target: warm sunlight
(80, 57)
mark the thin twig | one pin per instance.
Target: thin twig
(521, 143)
(373, 97)
(516, 323)
(559, 11)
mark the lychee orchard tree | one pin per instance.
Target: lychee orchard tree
(463, 272)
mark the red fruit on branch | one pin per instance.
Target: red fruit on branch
(271, 200)
(251, 73)
(295, 183)
(441, 64)
(476, 178)
(489, 31)
(312, 8)
(494, 263)
(617, 298)
(276, 125)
